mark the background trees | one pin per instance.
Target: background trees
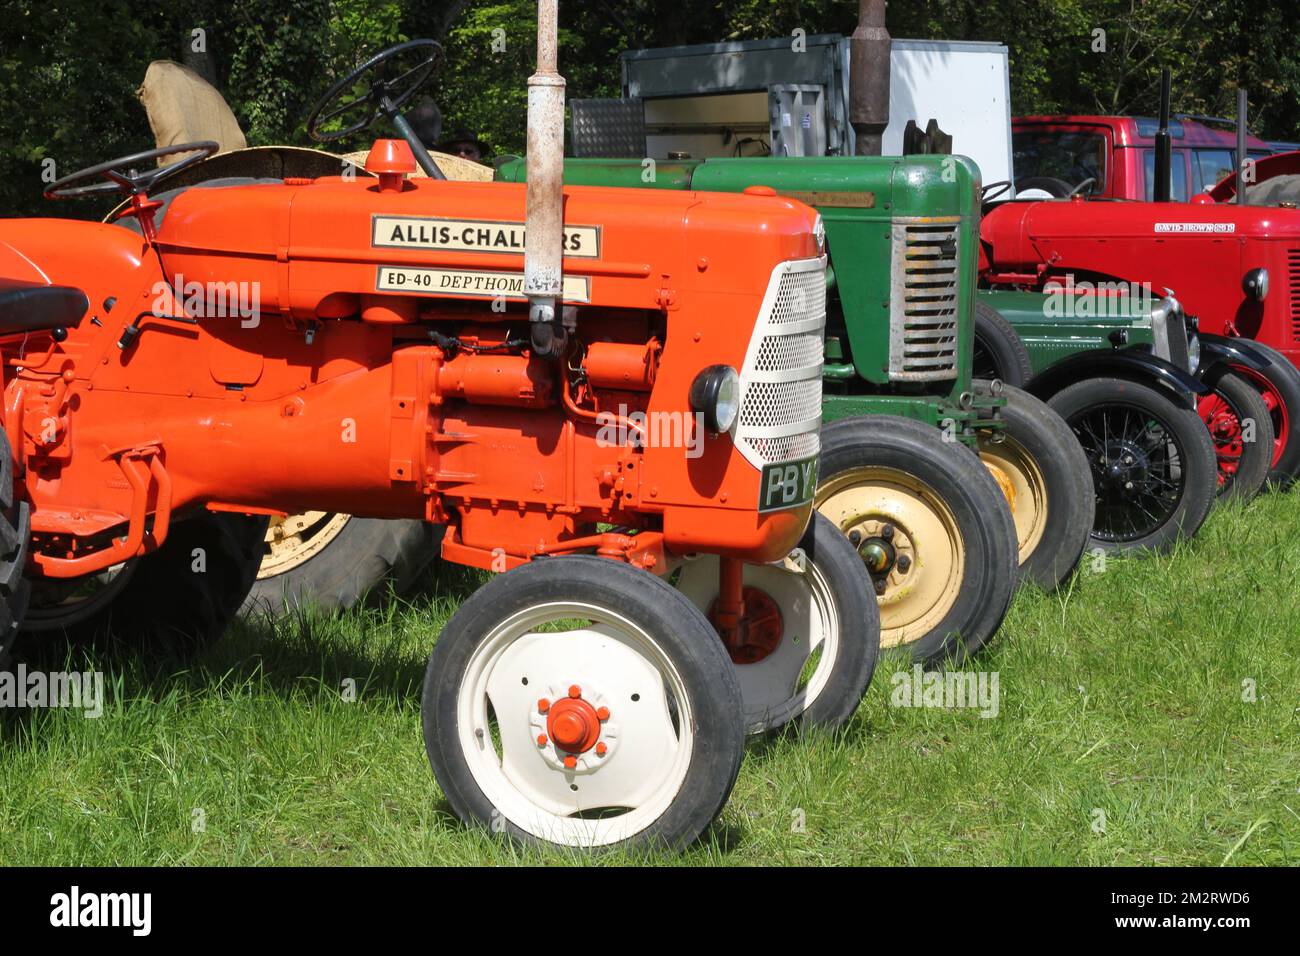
(69, 68)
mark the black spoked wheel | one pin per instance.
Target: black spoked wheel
(1153, 464)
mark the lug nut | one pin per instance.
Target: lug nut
(543, 705)
(602, 748)
(887, 532)
(904, 564)
(602, 713)
(570, 762)
(880, 587)
(854, 537)
(541, 740)
(575, 691)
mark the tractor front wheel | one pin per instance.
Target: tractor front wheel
(1154, 471)
(807, 646)
(581, 702)
(930, 524)
(1278, 384)
(1045, 475)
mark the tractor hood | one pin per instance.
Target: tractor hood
(326, 248)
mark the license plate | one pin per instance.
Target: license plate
(788, 484)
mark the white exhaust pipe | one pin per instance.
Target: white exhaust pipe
(544, 242)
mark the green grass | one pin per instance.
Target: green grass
(1124, 695)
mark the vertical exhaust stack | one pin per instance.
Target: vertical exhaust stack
(1242, 156)
(544, 241)
(1164, 146)
(869, 78)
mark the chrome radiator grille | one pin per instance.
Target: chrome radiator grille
(924, 299)
(781, 381)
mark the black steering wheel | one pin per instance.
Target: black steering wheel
(123, 174)
(384, 96)
(1086, 184)
(994, 190)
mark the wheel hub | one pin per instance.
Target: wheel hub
(886, 551)
(1122, 466)
(759, 631)
(571, 731)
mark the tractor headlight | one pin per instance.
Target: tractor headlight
(1255, 284)
(715, 394)
(1193, 351)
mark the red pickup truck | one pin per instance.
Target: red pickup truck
(1114, 156)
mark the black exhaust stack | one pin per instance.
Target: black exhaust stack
(869, 78)
(1164, 145)
(1242, 157)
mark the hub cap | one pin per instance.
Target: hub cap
(1224, 425)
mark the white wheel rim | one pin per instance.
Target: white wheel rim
(647, 757)
(771, 689)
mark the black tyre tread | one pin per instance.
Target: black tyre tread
(961, 479)
(1202, 465)
(363, 558)
(167, 607)
(1003, 344)
(15, 525)
(1257, 456)
(1045, 435)
(684, 631)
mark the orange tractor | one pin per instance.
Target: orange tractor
(611, 396)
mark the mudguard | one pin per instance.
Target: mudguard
(1132, 363)
(1220, 348)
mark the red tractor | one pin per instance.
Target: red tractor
(613, 397)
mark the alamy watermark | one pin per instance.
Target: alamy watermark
(651, 430)
(1073, 299)
(949, 690)
(21, 688)
(211, 300)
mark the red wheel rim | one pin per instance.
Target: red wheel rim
(1224, 424)
(1277, 409)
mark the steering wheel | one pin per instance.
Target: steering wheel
(384, 96)
(994, 190)
(1090, 181)
(123, 174)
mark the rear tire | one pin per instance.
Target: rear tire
(1051, 481)
(825, 610)
(1241, 427)
(177, 601)
(907, 493)
(1132, 434)
(999, 350)
(631, 646)
(343, 565)
(15, 533)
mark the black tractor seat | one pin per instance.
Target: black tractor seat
(32, 307)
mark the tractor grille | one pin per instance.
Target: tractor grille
(924, 299)
(1293, 290)
(781, 382)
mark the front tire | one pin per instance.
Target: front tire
(999, 350)
(15, 533)
(1051, 486)
(650, 738)
(811, 646)
(1278, 384)
(1153, 466)
(932, 527)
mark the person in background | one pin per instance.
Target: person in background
(464, 145)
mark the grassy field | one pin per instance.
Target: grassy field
(1151, 715)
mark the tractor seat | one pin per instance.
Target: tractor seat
(32, 307)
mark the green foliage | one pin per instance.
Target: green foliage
(69, 68)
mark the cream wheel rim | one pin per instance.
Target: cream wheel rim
(1013, 466)
(923, 577)
(573, 651)
(296, 539)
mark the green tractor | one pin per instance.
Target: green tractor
(919, 460)
(1135, 381)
